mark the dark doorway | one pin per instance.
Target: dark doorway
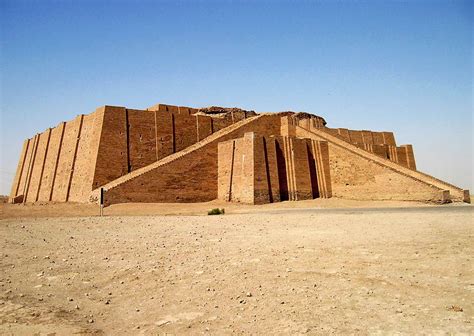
(282, 174)
(267, 170)
(313, 173)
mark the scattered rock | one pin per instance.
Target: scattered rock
(456, 309)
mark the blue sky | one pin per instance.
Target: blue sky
(400, 66)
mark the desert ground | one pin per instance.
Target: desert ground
(313, 267)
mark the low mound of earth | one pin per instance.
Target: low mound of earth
(290, 272)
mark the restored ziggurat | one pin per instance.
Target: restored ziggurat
(179, 154)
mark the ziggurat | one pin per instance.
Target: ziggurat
(179, 154)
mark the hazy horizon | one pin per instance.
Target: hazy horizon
(382, 66)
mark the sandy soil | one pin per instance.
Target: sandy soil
(151, 209)
(287, 273)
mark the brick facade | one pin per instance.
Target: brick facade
(170, 153)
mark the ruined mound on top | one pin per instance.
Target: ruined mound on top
(179, 154)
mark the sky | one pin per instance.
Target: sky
(401, 66)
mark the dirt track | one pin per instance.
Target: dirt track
(285, 273)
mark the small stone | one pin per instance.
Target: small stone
(456, 309)
(90, 321)
(249, 294)
(70, 299)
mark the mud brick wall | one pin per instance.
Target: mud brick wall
(271, 169)
(72, 160)
(378, 138)
(410, 157)
(141, 138)
(221, 122)
(185, 130)
(288, 125)
(261, 169)
(164, 135)
(19, 170)
(69, 161)
(56, 164)
(388, 138)
(225, 169)
(66, 160)
(307, 168)
(297, 156)
(28, 167)
(402, 156)
(186, 177)
(308, 123)
(380, 143)
(204, 126)
(356, 137)
(257, 169)
(51, 163)
(341, 132)
(367, 137)
(41, 146)
(113, 156)
(86, 153)
(132, 139)
(356, 177)
(235, 170)
(362, 137)
(380, 150)
(266, 188)
(319, 152)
